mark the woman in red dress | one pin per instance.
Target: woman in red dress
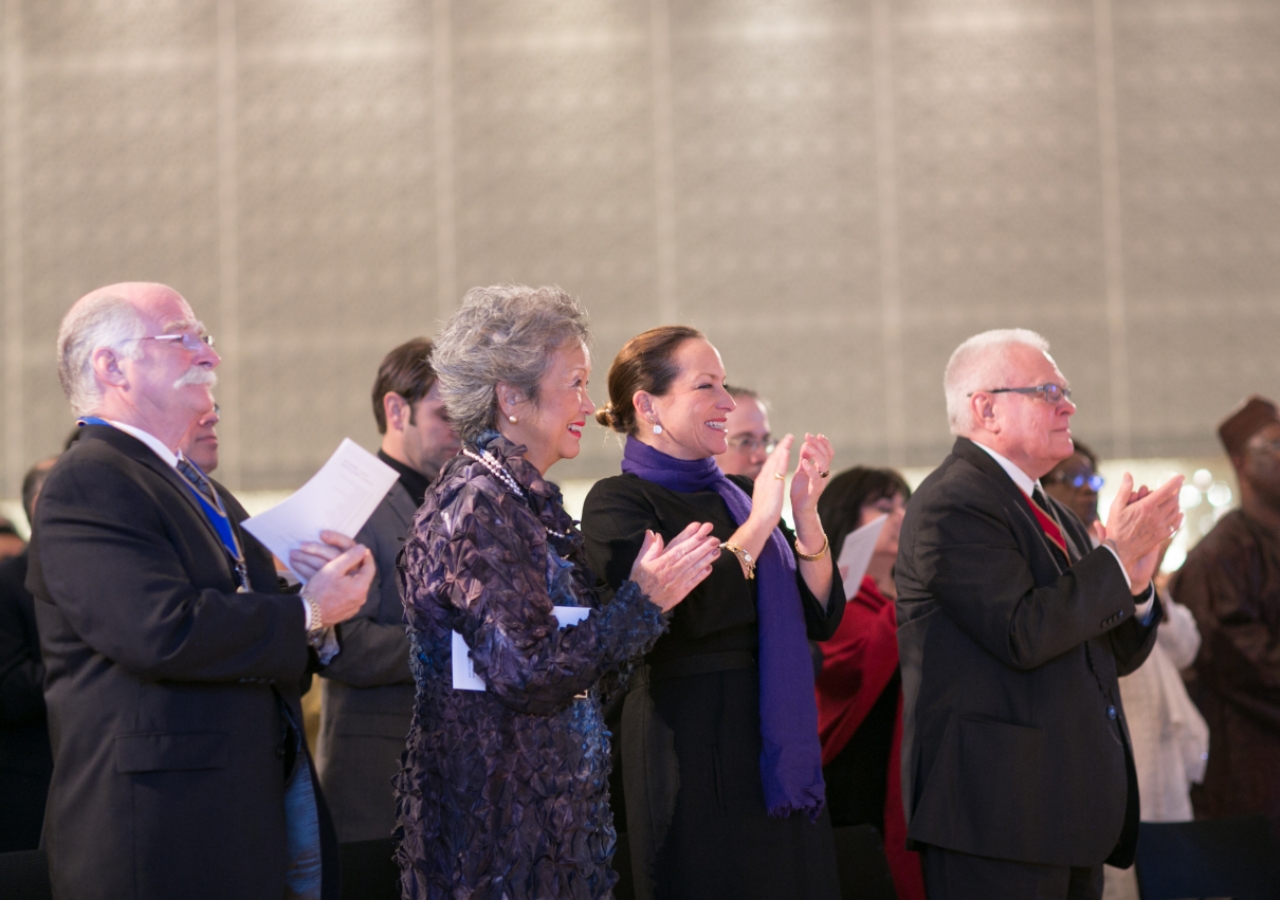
(859, 690)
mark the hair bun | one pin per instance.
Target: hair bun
(605, 416)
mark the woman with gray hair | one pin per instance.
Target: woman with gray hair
(503, 791)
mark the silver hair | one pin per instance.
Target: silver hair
(977, 364)
(105, 320)
(504, 334)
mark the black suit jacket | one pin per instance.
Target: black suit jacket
(368, 689)
(163, 686)
(1014, 743)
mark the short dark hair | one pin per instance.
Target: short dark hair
(32, 483)
(8, 528)
(406, 371)
(840, 506)
(645, 363)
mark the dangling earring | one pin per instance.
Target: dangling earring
(657, 429)
(512, 419)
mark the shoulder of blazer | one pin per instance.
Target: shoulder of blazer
(94, 438)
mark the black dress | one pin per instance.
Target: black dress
(690, 735)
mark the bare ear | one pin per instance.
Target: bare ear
(508, 398)
(983, 408)
(394, 407)
(642, 401)
(106, 367)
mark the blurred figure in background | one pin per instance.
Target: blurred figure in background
(1231, 583)
(201, 443)
(11, 543)
(1075, 483)
(1169, 737)
(367, 691)
(749, 441)
(860, 687)
(26, 760)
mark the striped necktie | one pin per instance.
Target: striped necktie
(198, 479)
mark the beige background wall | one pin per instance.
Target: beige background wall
(838, 191)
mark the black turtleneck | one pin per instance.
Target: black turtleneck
(414, 481)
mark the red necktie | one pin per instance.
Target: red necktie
(1047, 523)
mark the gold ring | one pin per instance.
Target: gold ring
(779, 476)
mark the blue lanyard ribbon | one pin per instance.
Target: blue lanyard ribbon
(216, 516)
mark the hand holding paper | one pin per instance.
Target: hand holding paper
(856, 554)
(339, 498)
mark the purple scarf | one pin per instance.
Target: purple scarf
(790, 754)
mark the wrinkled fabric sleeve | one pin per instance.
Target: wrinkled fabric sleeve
(146, 616)
(486, 558)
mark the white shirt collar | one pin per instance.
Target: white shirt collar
(1025, 482)
(150, 440)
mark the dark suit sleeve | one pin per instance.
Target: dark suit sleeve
(111, 558)
(967, 557)
(373, 653)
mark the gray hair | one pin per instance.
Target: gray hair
(504, 334)
(103, 320)
(977, 364)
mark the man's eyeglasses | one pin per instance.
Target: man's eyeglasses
(749, 443)
(1050, 393)
(191, 342)
(1094, 482)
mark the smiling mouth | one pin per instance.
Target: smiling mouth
(576, 428)
(722, 425)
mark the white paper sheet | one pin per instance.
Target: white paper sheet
(855, 555)
(340, 497)
(464, 671)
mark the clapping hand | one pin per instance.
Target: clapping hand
(812, 475)
(1139, 521)
(666, 574)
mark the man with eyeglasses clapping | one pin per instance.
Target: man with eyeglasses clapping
(1012, 629)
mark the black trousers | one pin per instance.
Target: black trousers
(950, 875)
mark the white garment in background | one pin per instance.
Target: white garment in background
(1170, 737)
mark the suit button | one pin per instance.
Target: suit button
(1111, 712)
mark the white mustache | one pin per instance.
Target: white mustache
(197, 375)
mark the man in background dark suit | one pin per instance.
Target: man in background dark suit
(1018, 779)
(25, 758)
(367, 699)
(173, 664)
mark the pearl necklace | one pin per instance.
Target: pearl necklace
(486, 459)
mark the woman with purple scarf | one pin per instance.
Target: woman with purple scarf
(502, 795)
(721, 763)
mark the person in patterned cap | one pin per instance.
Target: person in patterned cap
(1231, 583)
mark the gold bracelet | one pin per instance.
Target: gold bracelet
(813, 557)
(746, 559)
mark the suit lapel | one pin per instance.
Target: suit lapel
(140, 453)
(970, 452)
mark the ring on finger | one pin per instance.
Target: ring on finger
(779, 476)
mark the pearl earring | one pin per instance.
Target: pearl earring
(512, 419)
(657, 429)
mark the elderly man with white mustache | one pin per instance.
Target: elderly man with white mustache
(173, 663)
